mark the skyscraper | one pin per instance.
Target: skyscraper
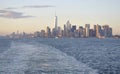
(56, 23)
(48, 33)
(68, 25)
(107, 31)
(67, 29)
(95, 30)
(73, 28)
(55, 33)
(81, 33)
(98, 30)
(87, 28)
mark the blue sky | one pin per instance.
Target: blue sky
(79, 12)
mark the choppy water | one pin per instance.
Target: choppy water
(60, 56)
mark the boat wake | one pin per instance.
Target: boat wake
(35, 58)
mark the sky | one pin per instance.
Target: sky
(33, 15)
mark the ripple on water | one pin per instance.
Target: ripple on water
(25, 58)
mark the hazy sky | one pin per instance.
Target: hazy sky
(33, 15)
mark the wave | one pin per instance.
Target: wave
(36, 58)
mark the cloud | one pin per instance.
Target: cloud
(13, 14)
(38, 6)
(11, 8)
(9, 13)
(31, 6)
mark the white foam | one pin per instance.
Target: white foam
(23, 57)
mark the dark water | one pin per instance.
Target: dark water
(60, 56)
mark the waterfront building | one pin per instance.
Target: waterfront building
(67, 29)
(84, 32)
(87, 28)
(110, 32)
(107, 31)
(48, 32)
(42, 33)
(37, 34)
(80, 30)
(73, 31)
(68, 25)
(76, 33)
(94, 30)
(59, 32)
(91, 33)
(73, 28)
(98, 31)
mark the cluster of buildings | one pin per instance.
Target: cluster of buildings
(20, 35)
(70, 31)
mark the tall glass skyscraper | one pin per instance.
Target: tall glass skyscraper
(56, 23)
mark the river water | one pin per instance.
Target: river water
(60, 56)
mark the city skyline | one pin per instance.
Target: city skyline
(69, 31)
(30, 16)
